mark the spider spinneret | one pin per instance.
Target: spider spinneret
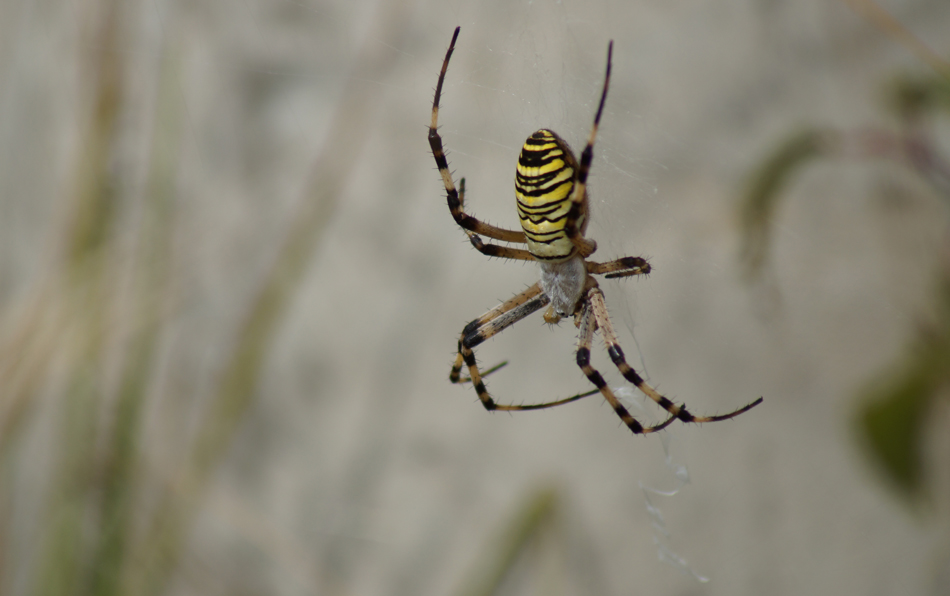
(551, 194)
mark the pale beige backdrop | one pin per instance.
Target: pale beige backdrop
(358, 468)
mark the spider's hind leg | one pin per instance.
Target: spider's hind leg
(599, 309)
(588, 324)
(485, 373)
(494, 321)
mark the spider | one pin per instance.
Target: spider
(551, 193)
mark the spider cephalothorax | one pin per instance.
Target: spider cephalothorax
(551, 193)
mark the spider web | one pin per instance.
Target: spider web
(358, 469)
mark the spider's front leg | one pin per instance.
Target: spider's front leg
(492, 250)
(586, 247)
(455, 202)
(623, 267)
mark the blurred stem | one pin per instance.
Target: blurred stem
(150, 278)
(537, 513)
(886, 22)
(765, 187)
(61, 570)
(94, 208)
(84, 297)
(758, 205)
(91, 210)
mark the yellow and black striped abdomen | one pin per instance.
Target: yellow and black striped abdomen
(543, 183)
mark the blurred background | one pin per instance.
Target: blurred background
(230, 294)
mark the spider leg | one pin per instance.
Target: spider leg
(588, 325)
(585, 246)
(455, 203)
(492, 250)
(599, 308)
(485, 326)
(623, 267)
(491, 323)
(485, 373)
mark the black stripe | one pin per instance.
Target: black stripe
(583, 357)
(540, 208)
(540, 146)
(440, 160)
(491, 250)
(630, 374)
(596, 379)
(684, 415)
(555, 150)
(587, 155)
(634, 262)
(455, 206)
(538, 237)
(539, 140)
(536, 190)
(529, 217)
(472, 339)
(471, 328)
(616, 354)
(540, 192)
(537, 210)
(538, 180)
(540, 220)
(629, 420)
(547, 240)
(515, 314)
(531, 161)
(574, 215)
(552, 257)
(486, 400)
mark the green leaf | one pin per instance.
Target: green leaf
(893, 419)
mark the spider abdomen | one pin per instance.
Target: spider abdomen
(544, 180)
(563, 282)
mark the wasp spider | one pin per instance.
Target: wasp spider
(551, 193)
